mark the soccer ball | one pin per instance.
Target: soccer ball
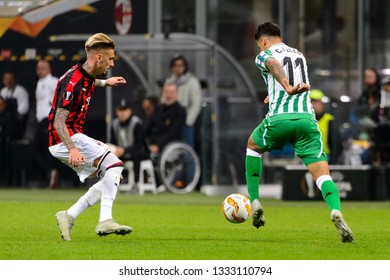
(236, 208)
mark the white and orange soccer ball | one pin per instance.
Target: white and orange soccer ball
(236, 208)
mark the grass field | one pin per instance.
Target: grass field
(187, 227)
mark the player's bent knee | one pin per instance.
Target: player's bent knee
(251, 145)
(109, 161)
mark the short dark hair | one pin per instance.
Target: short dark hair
(268, 29)
(10, 72)
(154, 100)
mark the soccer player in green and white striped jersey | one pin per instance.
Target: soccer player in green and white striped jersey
(296, 69)
(290, 119)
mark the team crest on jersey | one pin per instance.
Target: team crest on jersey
(68, 96)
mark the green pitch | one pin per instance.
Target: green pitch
(187, 227)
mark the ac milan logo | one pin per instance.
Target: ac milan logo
(123, 15)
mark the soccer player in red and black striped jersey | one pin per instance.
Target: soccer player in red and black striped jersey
(68, 143)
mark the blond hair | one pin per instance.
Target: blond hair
(99, 41)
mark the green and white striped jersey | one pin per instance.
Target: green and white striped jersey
(281, 104)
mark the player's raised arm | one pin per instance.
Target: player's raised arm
(113, 81)
(277, 71)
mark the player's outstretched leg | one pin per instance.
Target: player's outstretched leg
(345, 232)
(257, 214)
(65, 223)
(110, 226)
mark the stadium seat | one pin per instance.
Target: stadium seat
(128, 186)
(147, 179)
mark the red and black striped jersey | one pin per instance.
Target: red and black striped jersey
(73, 92)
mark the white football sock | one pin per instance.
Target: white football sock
(90, 198)
(110, 188)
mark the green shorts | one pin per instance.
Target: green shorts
(303, 134)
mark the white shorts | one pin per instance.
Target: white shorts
(90, 148)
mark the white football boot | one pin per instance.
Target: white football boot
(110, 226)
(65, 223)
(345, 232)
(257, 214)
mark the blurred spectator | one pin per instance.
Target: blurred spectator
(17, 99)
(381, 137)
(45, 90)
(325, 120)
(7, 134)
(149, 106)
(363, 119)
(168, 122)
(44, 163)
(127, 137)
(371, 93)
(189, 95)
(385, 101)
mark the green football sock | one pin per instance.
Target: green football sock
(253, 171)
(330, 194)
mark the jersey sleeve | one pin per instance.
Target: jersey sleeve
(261, 58)
(66, 95)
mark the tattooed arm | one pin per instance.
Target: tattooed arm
(277, 71)
(75, 158)
(60, 126)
